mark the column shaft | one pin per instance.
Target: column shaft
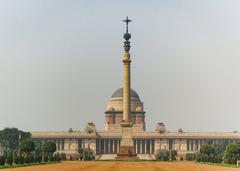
(150, 147)
(126, 88)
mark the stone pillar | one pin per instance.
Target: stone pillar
(109, 146)
(136, 145)
(141, 146)
(56, 144)
(193, 144)
(145, 146)
(150, 146)
(104, 142)
(83, 143)
(99, 146)
(126, 87)
(118, 146)
(190, 144)
(69, 144)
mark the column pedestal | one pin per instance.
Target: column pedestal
(126, 150)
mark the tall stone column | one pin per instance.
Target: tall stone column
(126, 87)
(126, 150)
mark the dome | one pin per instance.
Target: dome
(111, 109)
(119, 94)
(139, 109)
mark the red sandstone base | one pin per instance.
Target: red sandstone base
(126, 153)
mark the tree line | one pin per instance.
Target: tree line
(166, 155)
(217, 153)
(17, 148)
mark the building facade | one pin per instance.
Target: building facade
(123, 107)
(105, 144)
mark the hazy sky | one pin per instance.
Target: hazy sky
(61, 60)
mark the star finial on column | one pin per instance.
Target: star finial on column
(127, 35)
(127, 21)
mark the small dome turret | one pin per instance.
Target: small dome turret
(110, 109)
(139, 109)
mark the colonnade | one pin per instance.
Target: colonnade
(144, 146)
(107, 146)
(141, 145)
(111, 146)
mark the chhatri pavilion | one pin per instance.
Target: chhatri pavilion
(125, 135)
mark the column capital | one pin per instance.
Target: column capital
(128, 61)
(126, 124)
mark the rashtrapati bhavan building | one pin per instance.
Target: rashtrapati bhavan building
(125, 134)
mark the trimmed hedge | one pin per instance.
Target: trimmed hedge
(25, 165)
(190, 156)
(29, 159)
(164, 155)
(2, 160)
(9, 160)
(220, 164)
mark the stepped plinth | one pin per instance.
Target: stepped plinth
(126, 149)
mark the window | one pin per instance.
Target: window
(62, 144)
(196, 144)
(111, 146)
(170, 144)
(115, 146)
(97, 146)
(191, 145)
(101, 146)
(138, 146)
(143, 146)
(188, 145)
(107, 145)
(153, 149)
(148, 146)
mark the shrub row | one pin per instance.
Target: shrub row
(208, 158)
(166, 155)
(24, 165)
(191, 156)
(28, 159)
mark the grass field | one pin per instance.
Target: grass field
(124, 166)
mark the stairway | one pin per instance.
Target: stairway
(107, 157)
(146, 156)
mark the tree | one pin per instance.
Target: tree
(37, 151)
(163, 155)
(2, 160)
(9, 138)
(207, 149)
(191, 156)
(232, 153)
(63, 156)
(173, 155)
(80, 152)
(57, 157)
(49, 147)
(220, 148)
(206, 153)
(27, 146)
(85, 154)
(9, 157)
(212, 153)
